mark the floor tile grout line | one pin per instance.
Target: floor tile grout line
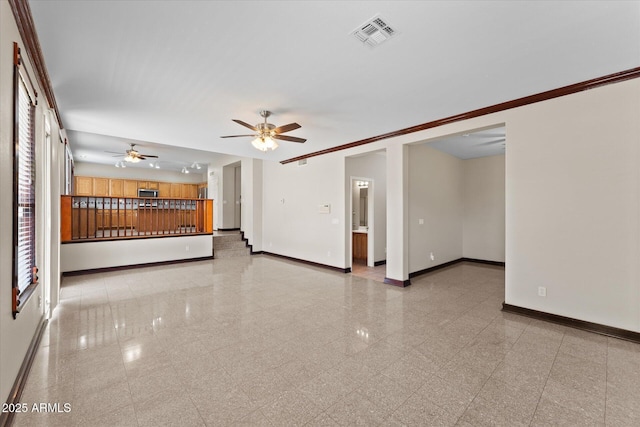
(555, 357)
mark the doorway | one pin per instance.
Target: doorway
(362, 217)
(231, 197)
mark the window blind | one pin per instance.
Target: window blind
(25, 174)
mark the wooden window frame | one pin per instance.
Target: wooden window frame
(24, 283)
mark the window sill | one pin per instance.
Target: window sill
(24, 297)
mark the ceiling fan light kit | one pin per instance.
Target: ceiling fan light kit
(267, 133)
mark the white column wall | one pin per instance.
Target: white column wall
(252, 202)
(397, 212)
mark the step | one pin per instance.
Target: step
(229, 244)
(231, 253)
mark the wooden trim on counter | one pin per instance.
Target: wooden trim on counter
(65, 212)
(27, 29)
(116, 238)
(621, 76)
(596, 328)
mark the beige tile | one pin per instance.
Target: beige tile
(585, 404)
(256, 418)
(121, 417)
(298, 372)
(384, 392)
(286, 344)
(447, 395)
(322, 420)
(355, 409)
(168, 408)
(93, 402)
(290, 408)
(621, 416)
(327, 388)
(552, 414)
(501, 404)
(418, 411)
(223, 408)
(265, 386)
(581, 374)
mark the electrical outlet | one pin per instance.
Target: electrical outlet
(187, 248)
(328, 253)
(421, 221)
(432, 256)
(542, 291)
(39, 301)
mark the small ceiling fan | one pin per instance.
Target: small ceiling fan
(132, 155)
(266, 134)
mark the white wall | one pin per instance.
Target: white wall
(484, 208)
(150, 174)
(573, 205)
(436, 198)
(372, 166)
(252, 202)
(90, 255)
(292, 224)
(17, 334)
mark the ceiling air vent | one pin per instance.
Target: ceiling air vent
(374, 32)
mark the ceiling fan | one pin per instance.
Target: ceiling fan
(266, 134)
(132, 155)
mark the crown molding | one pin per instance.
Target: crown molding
(26, 27)
(531, 99)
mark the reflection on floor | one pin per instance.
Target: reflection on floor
(263, 341)
(360, 269)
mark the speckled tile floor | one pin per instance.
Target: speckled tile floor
(263, 341)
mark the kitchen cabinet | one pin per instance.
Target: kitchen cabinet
(189, 191)
(164, 189)
(176, 192)
(360, 246)
(116, 187)
(101, 187)
(148, 185)
(83, 186)
(130, 188)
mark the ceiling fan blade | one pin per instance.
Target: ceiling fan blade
(286, 128)
(247, 125)
(114, 152)
(235, 136)
(289, 138)
(147, 155)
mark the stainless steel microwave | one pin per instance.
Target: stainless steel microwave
(147, 193)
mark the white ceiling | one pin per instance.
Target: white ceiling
(471, 145)
(176, 72)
